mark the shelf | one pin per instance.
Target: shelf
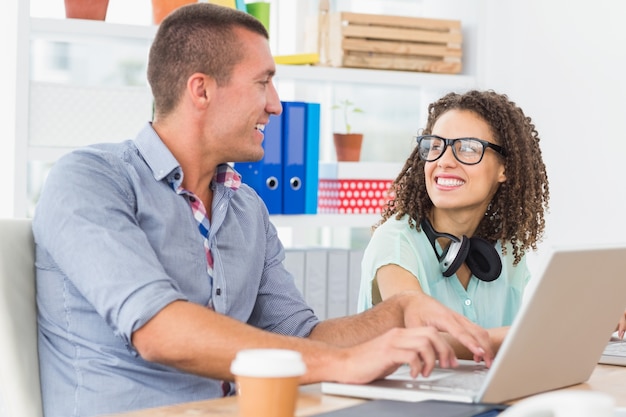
(325, 220)
(373, 77)
(360, 170)
(81, 29)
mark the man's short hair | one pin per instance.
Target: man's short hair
(199, 37)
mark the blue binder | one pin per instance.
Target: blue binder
(312, 156)
(266, 176)
(294, 148)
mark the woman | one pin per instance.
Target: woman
(469, 203)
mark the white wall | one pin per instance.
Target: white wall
(8, 50)
(564, 62)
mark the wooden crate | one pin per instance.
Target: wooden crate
(392, 42)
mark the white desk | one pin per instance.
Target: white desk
(608, 379)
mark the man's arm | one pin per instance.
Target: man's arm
(408, 309)
(198, 340)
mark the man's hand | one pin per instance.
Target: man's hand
(420, 348)
(423, 310)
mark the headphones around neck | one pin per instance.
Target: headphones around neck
(479, 254)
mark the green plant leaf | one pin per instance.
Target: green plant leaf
(347, 107)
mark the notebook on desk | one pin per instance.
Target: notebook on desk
(556, 340)
(428, 408)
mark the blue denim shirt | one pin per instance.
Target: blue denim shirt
(114, 245)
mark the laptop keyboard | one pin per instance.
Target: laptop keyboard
(466, 379)
(459, 382)
(617, 348)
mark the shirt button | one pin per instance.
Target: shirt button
(468, 302)
(177, 176)
(192, 199)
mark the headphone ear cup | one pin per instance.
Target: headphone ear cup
(454, 256)
(483, 259)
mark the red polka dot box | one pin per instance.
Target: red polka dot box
(354, 187)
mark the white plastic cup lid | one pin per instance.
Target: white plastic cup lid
(268, 363)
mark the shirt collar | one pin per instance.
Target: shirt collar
(155, 153)
(162, 162)
(227, 175)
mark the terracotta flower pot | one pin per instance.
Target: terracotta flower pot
(161, 8)
(86, 9)
(348, 146)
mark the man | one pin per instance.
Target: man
(155, 265)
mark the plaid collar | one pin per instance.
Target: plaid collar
(225, 174)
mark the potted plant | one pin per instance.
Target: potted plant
(161, 8)
(86, 9)
(348, 144)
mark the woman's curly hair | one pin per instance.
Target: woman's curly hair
(516, 212)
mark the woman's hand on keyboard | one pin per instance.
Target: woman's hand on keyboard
(621, 326)
(424, 310)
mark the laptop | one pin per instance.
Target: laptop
(614, 352)
(555, 341)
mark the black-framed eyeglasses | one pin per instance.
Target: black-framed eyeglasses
(468, 151)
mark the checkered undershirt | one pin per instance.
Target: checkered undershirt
(226, 175)
(229, 177)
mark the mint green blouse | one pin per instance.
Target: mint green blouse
(488, 304)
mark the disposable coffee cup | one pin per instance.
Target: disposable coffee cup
(267, 381)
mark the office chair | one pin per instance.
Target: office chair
(20, 391)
